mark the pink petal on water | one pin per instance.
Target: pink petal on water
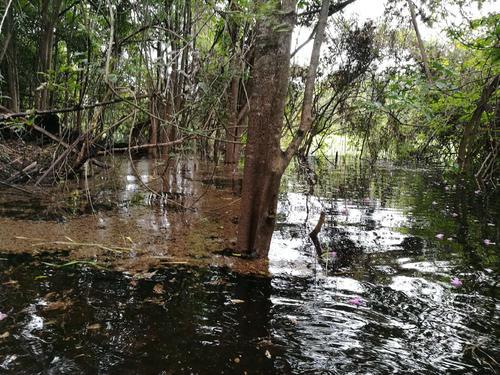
(454, 214)
(456, 282)
(3, 316)
(488, 242)
(440, 236)
(356, 301)
(333, 254)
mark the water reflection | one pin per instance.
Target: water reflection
(382, 224)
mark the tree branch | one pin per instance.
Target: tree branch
(306, 117)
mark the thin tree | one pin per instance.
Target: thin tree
(421, 47)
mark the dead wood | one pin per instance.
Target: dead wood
(315, 232)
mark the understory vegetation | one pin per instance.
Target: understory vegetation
(180, 77)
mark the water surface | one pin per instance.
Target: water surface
(400, 236)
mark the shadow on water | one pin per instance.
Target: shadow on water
(178, 320)
(380, 302)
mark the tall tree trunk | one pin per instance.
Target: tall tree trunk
(265, 162)
(470, 130)
(49, 13)
(232, 134)
(11, 62)
(153, 125)
(421, 47)
(230, 156)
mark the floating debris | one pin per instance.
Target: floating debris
(158, 289)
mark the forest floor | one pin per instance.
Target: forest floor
(21, 161)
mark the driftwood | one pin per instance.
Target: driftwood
(140, 147)
(315, 232)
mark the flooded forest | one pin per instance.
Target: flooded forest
(249, 187)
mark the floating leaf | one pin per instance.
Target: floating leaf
(158, 289)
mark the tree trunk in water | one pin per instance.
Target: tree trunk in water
(421, 47)
(48, 14)
(470, 131)
(263, 156)
(265, 162)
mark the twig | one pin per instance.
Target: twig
(115, 249)
(315, 232)
(16, 187)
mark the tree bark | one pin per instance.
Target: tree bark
(265, 162)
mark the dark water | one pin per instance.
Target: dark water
(382, 223)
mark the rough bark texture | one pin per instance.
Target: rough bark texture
(265, 162)
(263, 156)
